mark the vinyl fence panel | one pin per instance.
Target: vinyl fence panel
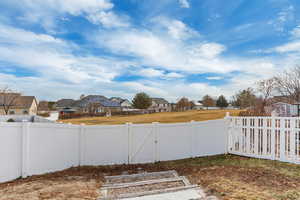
(104, 145)
(10, 151)
(51, 147)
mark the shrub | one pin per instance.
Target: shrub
(10, 120)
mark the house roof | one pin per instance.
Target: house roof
(64, 103)
(159, 100)
(118, 99)
(43, 106)
(95, 99)
(24, 102)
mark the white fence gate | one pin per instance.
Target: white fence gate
(275, 138)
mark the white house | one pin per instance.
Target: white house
(198, 106)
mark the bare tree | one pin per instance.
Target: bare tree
(183, 104)
(208, 101)
(266, 89)
(288, 84)
(7, 99)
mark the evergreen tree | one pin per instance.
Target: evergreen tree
(141, 101)
(222, 102)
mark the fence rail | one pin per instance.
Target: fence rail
(275, 138)
(35, 148)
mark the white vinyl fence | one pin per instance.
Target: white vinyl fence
(275, 138)
(35, 148)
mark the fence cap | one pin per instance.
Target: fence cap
(227, 114)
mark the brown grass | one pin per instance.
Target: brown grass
(167, 117)
(227, 176)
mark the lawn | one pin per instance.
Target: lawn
(166, 117)
(228, 177)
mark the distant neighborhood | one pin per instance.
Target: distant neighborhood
(261, 101)
(13, 103)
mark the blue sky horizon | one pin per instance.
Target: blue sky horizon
(168, 48)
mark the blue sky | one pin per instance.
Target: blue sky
(167, 48)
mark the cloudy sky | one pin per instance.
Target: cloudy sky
(167, 48)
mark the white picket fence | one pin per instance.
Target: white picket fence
(36, 148)
(275, 138)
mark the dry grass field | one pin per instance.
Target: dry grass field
(167, 117)
(228, 177)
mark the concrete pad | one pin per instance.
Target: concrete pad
(182, 195)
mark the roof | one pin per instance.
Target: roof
(118, 99)
(95, 99)
(64, 103)
(159, 100)
(198, 104)
(43, 106)
(283, 99)
(23, 102)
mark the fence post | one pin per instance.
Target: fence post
(25, 148)
(81, 145)
(273, 145)
(128, 127)
(282, 140)
(293, 139)
(155, 132)
(227, 134)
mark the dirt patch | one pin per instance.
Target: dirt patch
(228, 177)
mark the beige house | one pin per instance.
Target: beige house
(160, 105)
(22, 105)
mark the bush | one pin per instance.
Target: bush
(10, 120)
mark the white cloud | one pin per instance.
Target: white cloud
(208, 50)
(53, 59)
(184, 3)
(46, 12)
(109, 19)
(214, 78)
(175, 28)
(293, 46)
(174, 75)
(156, 49)
(296, 32)
(285, 15)
(148, 72)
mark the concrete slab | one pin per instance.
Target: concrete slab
(182, 195)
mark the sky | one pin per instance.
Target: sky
(55, 49)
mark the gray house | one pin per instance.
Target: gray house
(88, 104)
(124, 103)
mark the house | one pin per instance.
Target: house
(43, 107)
(198, 106)
(283, 109)
(20, 105)
(88, 104)
(64, 103)
(96, 104)
(124, 103)
(160, 105)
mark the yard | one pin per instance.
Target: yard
(166, 117)
(227, 176)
